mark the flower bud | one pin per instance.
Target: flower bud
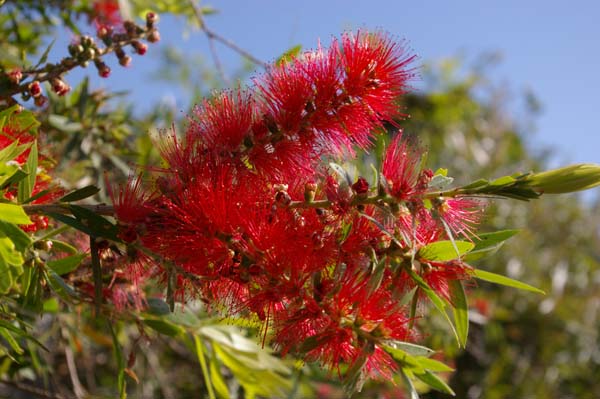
(35, 90)
(87, 41)
(139, 47)
(565, 180)
(103, 69)
(124, 59)
(282, 198)
(59, 86)
(104, 31)
(309, 191)
(361, 186)
(151, 19)
(153, 36)
(15, 75)
(89, 53)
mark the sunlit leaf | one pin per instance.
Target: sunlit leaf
(507, 281)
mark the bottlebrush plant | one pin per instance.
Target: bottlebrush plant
(251, 213)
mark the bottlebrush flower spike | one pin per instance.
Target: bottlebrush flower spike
(250, 220)
(402, 169)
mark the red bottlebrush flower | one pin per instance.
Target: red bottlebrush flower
(340, 195)
(376, 72)
(106, 12)
(402, 169)
(461, 215)
(287, 91)
(130, 202)
(438, 274)
(223, 122)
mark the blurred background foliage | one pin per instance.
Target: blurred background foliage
(520, 345)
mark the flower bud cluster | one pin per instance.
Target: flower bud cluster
(247, 206)
(115, 36)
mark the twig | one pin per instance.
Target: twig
(212, 35)
(77, 387)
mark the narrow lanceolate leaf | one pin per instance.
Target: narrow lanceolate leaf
(67, 264)
(507, 281)
(435, 382)
(443, 251)
(488, 243)
(121, 362)
(460, 310)
(409, 385)
(26, 185)
(205, 373)
(438, 302)
(12, 213)
(21, 239)
(80, 194)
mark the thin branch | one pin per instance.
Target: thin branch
(51, 71)
(212, 35)
(77, 387)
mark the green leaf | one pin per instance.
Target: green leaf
(121, 364)
(157, 307)
(410, 348)
(507, 281)
(21, 239)
(26, 185)
(411, 388)
(433, 365)
(61, 246)
(202, 360)
(80, 194)
(11, 177)
(488, 243)
(19, 119)
(66, 265)
(60, 286)
(289, 55)
(438, 302)
(440, 182)
(11, 263)
(503, 181)
(443, 251)
(63, 124)
(164, 327)
(44, 56)
(12, 342)
(218, 381)
(460, 310)
(435, 382)
(12, 213)
(98, 225)
(12, 151)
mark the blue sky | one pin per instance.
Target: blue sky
(549, 47)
